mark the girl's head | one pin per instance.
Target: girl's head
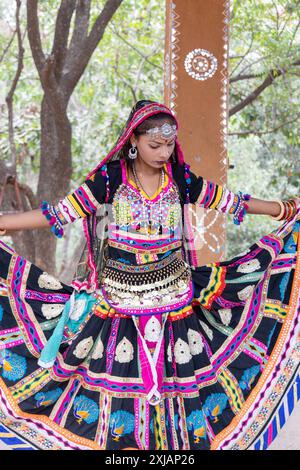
(154, 138)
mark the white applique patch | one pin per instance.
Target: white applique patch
(245, 293)
(98, 351)
(78, 309)
(207, 330)
(46, 281)
(225, 315)
(195, 342)
(52, 310)
(124, 351)
(182, 352)
(152, 330)
(83, 348)
(249, 267)
(169, 353)
(243, 253)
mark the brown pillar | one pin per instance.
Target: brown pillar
(196, 88)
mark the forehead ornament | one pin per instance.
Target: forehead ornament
(166, 131)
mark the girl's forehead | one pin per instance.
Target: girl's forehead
(159, 139)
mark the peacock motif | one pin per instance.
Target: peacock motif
(214, 405)
(248, 377)
(291, 244)
(52, 310)
(13, 365)
(283, 285)
(85, 409)
(121, 423)
(46, 281)
(47, 398)
(196, 423)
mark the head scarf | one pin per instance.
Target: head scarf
(140, 116)
(95, 247)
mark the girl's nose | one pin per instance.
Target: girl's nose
(165, 152)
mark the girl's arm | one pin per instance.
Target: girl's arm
(272, 208)
(82, 202)
(26, 220)
(210, 195)
(258, 206)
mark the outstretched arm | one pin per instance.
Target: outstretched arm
(210, 195)
(26, 220)
(259, 206)
(83, 201)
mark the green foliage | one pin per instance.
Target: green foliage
(265, 36)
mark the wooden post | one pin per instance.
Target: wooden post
(196, 89)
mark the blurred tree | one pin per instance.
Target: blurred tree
(59, 73)
(264, 139)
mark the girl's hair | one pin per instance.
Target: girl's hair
(152, 121)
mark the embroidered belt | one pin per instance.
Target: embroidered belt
(142, 268)
(152, 288)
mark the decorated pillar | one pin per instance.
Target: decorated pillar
(196, 89)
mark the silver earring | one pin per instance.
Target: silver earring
(133, 152)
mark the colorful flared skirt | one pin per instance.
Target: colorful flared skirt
(220, 373)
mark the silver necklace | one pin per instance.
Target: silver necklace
(139, 184)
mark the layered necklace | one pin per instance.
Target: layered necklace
(146, 204)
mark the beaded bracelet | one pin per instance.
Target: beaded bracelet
(241, 208)
(53, 219)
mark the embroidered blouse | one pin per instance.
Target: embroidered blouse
(145, 270)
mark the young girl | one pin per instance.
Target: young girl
(146, 350)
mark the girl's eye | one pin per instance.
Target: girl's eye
(151, 146)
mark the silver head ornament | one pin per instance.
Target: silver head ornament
(166, 131)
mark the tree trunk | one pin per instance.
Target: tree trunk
(54, 177)
(23, 241)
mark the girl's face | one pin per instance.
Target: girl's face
(154, 151)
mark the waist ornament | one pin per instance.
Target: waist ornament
(156, 287)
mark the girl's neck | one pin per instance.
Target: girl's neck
(145, 169)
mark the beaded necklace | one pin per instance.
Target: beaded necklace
(146, 205)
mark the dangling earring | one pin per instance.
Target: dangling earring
(133, 152)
